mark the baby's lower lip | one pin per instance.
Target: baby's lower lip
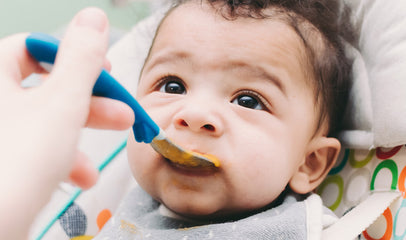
(191, 171)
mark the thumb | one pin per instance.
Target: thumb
(81, 54)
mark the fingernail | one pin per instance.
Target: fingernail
(92, 18)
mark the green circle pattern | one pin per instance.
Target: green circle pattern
(391, 165)
(359, 164)
(335, 179)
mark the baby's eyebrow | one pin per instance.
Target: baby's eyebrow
(167, 57)
(251, 69)
(258, 71)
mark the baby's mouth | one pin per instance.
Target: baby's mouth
(177, 154)
(191, 170)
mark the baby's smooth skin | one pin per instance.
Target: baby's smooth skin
(234, 89)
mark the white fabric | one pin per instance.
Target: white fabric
(128, 55)
(377, 113)
(314, 217)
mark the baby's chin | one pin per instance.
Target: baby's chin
(208, 211)
(192, 208)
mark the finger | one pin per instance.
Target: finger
(107, 65)
(81, 54)
(109, 114)
(84, 174)
(15, 61)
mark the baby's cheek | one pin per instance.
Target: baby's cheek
(137, 158)
(261, 180)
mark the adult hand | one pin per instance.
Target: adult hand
(40, 126)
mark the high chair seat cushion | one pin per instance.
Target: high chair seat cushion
(374, 158)
(359, 173)
(376, 115)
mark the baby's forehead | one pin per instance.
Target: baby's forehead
(195, 15)
(199, 20)
(242, 32)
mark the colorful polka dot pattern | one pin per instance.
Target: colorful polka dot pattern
(74, 222)
(359, 172)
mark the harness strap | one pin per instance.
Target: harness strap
(361, 217)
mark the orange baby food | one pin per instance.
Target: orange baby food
(186, 158)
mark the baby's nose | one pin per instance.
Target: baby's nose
(196, 126)
(199, 120)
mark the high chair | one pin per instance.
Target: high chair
(365, 188)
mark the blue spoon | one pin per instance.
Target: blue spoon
(44, 47)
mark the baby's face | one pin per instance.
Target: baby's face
(233, 89)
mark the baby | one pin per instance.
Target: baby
(262, 86)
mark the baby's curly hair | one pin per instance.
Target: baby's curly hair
(324, 27)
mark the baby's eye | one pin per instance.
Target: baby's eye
(249, 101)
(173, 87)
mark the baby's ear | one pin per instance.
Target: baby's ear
(321, 156)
